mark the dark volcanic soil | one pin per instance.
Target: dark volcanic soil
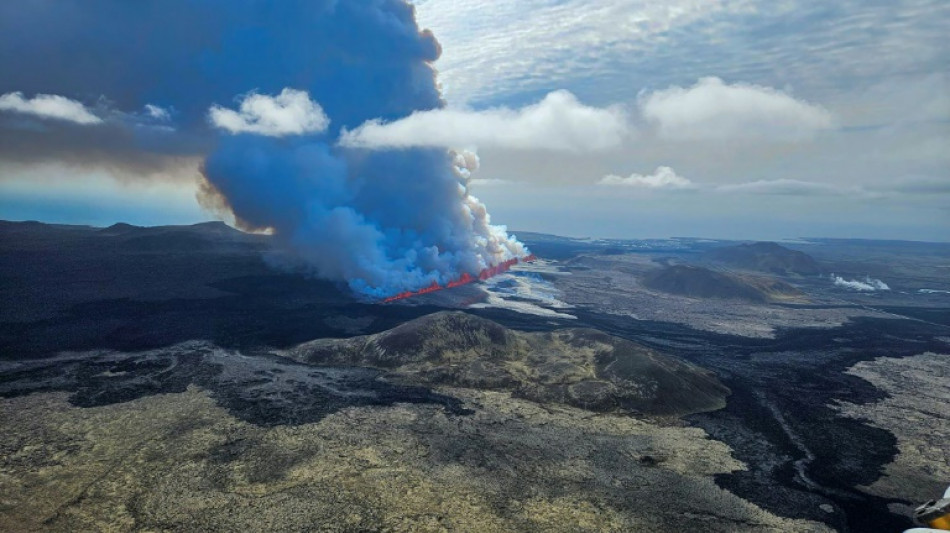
(261, 389)
(801, 452)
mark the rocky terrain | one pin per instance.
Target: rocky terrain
(578, 367)
(614, 284)
(525, 431)
(180, 461)
(917, 412)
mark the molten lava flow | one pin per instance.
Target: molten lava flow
(465, 279)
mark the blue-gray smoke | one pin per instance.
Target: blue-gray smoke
(381, 221)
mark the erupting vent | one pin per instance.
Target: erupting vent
(464, 279)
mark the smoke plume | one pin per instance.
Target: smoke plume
(263, 91)
(382, 221)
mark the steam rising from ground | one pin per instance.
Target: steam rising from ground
(868, 285)
(524, 291)
(382, 222)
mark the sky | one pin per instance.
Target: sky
(743, 119)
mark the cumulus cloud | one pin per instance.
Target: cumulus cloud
(49, 106)
(714, 110)
(289, 113)
(558, 122)
(868, 285)
(662, 178)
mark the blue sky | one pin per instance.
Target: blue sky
(732, 119)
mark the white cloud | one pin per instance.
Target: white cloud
(157, 113)
(714, 110)
(558, 122)
(49, 106)
(662, 178)
(289, 113)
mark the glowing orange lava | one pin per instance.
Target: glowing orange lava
(464, 279)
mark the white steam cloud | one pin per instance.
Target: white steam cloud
(868, 285)
(289, 113)
(713, 110)
(558, 122)
(662, 178)
(493, 242)
(49, 106)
